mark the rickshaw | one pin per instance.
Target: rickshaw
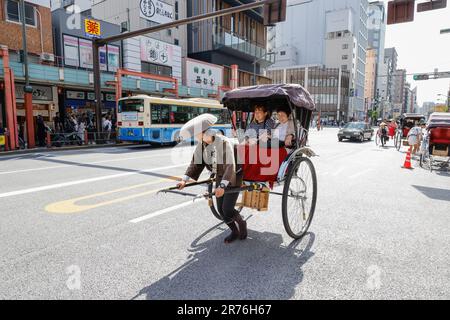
(295, 171)
(435, 149)
(403, 128)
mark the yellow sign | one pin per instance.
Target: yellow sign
(440, 108)
(2, 140)
(92, 28)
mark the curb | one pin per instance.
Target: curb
(39, 150)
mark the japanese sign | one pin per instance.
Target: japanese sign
(156, 11)
(92, 28)
(40, 93)
(203, 75)
(156, 51)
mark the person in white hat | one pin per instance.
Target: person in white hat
(216, 153)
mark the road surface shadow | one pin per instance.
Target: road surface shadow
(103, 167)
(261, 267)
(434, 193)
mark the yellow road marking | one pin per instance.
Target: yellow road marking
(70, 206)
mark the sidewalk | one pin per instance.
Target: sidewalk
(54, 149)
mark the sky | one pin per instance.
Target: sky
(421, 48)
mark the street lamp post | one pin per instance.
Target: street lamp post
(28, 90)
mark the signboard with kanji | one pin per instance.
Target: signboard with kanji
(92, 28)
(156, 51)
(199, 74)
(156, 11)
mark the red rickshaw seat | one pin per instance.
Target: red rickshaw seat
(405, 131)
(261, 164)
(440, 136)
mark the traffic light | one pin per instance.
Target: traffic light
(274, 12)
(400, 11)
(418, 77)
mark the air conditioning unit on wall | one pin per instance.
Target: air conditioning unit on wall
(47, 57)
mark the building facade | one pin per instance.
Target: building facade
(330, 95)
(371, 72)
(238, 39)
(376, 26)
(39, 35)
(307, 29)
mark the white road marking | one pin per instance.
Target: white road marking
(83, 181)
(167, 210)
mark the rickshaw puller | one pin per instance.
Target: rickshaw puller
(216, 153)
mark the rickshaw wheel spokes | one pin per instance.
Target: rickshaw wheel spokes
(299, 197)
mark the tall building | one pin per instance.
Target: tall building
(376, 26)
(158, 53)
(330, 95)
(386, 79)
(371, 71)
(318, 28)
(239, 39)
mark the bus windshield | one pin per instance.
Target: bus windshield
(131, 105)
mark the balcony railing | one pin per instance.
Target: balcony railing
(225, 38)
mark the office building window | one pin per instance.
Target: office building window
(344, 67)
(13, 12)
(345, 46)
(156, 69)
(344, 57)
(282, 53)
(176, 42)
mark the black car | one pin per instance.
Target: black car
(359, 131)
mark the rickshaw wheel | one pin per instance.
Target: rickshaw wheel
(299, 197)
(213, 205)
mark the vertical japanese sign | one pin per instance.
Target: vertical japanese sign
(113, 58)
(92, 28)
(86, 58)
(71, 57)
(156, 11)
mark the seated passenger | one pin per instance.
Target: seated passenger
(285, 130)
(261, 127)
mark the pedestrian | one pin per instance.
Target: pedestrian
(216, 153)
(414, 137)
(107, 126)
(41, 131)
(81, 128)
(57, 123)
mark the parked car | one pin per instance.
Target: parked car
(359, 131)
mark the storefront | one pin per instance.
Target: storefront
(77, 102)
(45, 102)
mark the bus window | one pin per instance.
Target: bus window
(222, 115)
(160, 114)
(131, 105)
(182, 115)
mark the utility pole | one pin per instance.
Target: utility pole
(28, 90)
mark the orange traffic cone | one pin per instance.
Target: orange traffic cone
(407, 164)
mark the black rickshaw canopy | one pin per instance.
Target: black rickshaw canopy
(272, 96)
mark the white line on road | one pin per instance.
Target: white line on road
(77, 182)
(163, 211)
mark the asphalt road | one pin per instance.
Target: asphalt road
(89, 225)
